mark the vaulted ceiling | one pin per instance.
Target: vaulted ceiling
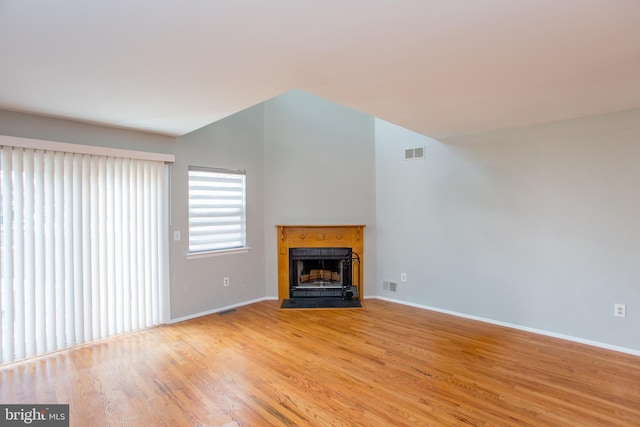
(438, 67)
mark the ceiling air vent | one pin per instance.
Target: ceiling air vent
(414, 153)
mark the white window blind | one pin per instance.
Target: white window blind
(217, 209)
(82, 244)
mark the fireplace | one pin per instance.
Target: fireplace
(320, 261)
(322, 272)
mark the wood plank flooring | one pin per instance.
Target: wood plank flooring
(381, 365)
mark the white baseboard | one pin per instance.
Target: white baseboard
(438, 310)
(514, 326)
(219, 309)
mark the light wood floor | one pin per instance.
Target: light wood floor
(382, 365)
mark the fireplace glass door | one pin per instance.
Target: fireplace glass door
(319, 272)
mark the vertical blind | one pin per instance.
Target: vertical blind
(217, 205)
(82, 242)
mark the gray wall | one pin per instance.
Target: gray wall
(235, 142)
(319, 169)
(308, 161)
(51, 129)
(538, 226)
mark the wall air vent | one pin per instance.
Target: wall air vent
(393, 286)
(385, 285)
(414, 153)
(408, 154)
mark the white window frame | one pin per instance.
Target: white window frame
(199, 202)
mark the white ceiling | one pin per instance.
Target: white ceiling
(439, 67)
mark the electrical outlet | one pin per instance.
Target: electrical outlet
(225, 281)
(403, 277)
(620, 310)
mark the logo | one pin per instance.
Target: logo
(34, 415)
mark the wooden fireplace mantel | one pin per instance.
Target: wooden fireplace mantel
(317, 236)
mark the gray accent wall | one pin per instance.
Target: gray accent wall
(319, 169)
(537, 226)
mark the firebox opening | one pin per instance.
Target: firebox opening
(320, 272)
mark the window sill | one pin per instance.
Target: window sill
(222, 252)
